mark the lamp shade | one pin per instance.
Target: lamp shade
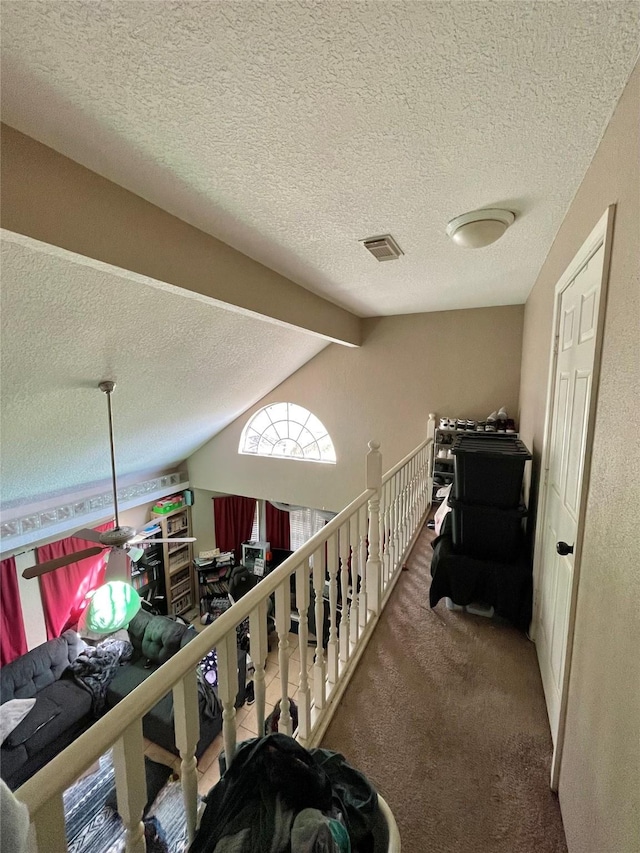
(480, 227)
(112, 606)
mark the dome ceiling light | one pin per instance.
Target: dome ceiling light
(480, 227)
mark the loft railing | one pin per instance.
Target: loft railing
(359, 555)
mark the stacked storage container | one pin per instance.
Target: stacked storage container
(487, 512)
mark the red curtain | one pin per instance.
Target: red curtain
(63, 591)
(233, 516)
(278, 527)
(13, 641)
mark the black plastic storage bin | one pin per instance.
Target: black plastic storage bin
(489, 469)
(487, 532)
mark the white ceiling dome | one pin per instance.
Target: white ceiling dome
(480, 227)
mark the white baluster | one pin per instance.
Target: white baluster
(332, 646)
(304, 692)
(382, 539)
(48, 830)
(424, 486)
(374, 481)
(344, 592)
(394, 522)
(258, 649)
(412, 497)
(228, 691)
(131, 785)
(427, 478)
(283, 623)
(409, 527)
(319, 666)
(403, 509)
(388, 535)
(187, 729)
(363, 521)
(354, 610)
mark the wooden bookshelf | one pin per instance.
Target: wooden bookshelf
(178, 559)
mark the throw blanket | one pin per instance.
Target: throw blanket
(95, 667)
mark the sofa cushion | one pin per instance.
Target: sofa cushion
(43, 712)
(156, 638)
(12, 761)
(74, 704)
(126, 679)
(24, 677)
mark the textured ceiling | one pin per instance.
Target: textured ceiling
(292, 130)
(184, 370)
(289, 130)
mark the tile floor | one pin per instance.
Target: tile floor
(246, 724)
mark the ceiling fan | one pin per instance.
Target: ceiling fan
(120, 541)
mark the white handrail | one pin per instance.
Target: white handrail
(42, 793)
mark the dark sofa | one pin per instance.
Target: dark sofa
(63, 708)
(156, 639)
(61, 713)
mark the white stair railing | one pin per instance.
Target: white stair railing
(359, 554)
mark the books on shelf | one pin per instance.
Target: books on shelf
(142, 579)
(209, 555)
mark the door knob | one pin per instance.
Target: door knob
(563, 549)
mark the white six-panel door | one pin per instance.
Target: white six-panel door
(576, 340)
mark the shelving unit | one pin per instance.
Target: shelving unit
(147, 575)
(212, 576)
(177, 559)
(442, 467)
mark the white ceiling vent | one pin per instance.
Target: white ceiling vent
(383, 248)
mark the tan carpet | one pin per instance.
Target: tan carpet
(446, 716)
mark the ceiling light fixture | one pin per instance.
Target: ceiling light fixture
(479, 227)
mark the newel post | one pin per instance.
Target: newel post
(431, 425)
(431, 455)
(374, 481)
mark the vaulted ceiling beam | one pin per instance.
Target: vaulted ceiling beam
(52, 199)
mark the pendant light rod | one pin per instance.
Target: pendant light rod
(107, 387)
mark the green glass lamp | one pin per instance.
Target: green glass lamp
(112, 606)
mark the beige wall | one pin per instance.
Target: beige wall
(456, 363)
(600, 774)
(202, 520)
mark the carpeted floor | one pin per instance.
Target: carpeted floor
(446, 716)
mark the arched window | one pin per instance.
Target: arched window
(287, 430)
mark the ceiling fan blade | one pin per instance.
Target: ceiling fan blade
(118, 566)
(88, 534)
(59, 562)
(186, 539)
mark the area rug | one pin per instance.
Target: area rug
(94, 827)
